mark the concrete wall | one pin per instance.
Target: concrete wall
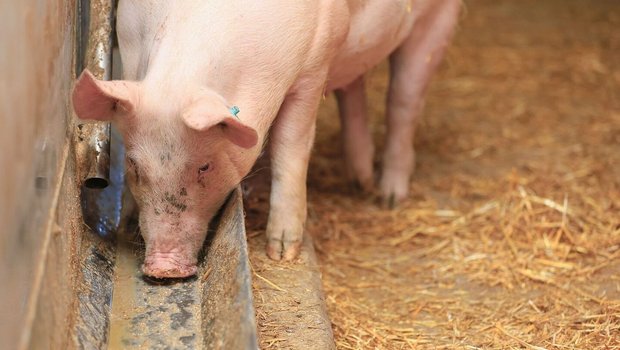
(39, 211)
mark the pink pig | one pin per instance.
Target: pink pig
(189, 65)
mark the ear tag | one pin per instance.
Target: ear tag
(234, 110)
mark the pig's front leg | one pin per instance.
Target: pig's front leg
(292, 136)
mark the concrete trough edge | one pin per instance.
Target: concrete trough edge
(230, 321)
(291, 306)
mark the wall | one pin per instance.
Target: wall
(39, 212)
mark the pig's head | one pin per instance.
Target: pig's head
(183, 159)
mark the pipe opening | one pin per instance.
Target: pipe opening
(96, 183)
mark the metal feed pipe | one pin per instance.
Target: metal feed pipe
(95, 46)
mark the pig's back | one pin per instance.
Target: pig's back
(229, 41)
(377, 27)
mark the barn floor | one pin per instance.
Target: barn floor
(511, 235)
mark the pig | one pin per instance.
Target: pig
(207, 83)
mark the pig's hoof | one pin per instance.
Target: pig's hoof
(391, 196)
(393, 192)
(278, 249)
(363, 186)
(391, 200)
(168, 268)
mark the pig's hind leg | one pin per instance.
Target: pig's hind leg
(356, 138)
(411, 68)
(291, 137)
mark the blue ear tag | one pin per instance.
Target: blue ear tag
(234, 110)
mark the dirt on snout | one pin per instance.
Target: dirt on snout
(511, 235)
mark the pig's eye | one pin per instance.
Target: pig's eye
(203, 169)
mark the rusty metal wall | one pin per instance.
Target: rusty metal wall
(39, 214)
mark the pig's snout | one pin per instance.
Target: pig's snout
(169, 265)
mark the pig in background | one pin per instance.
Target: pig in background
(207, 82)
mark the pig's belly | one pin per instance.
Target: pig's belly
(377, 28)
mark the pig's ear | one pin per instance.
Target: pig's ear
(101, 100)
(209, 112)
